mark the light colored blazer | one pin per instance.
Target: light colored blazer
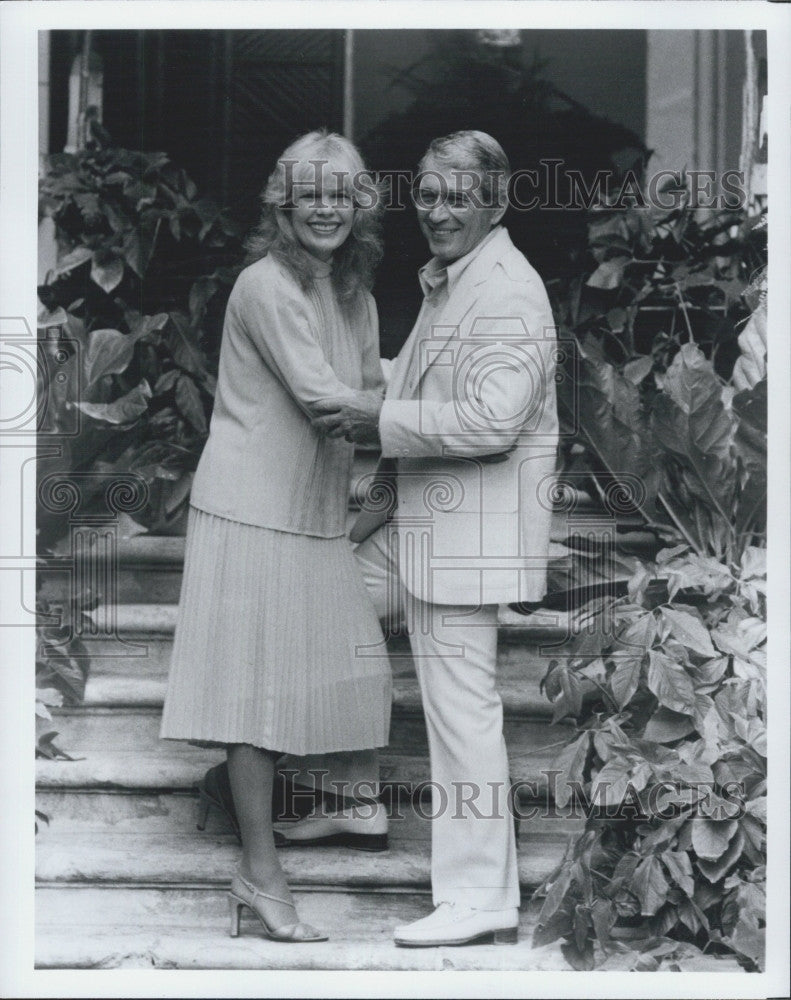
(473, 531)
(282, 350)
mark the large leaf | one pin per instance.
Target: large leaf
(571, 763)
(77, 257)
(625, 679)
(555, 895)
(715, 870)
(753, 563)
(689, 630)
(142, 327)
(666, 726)
(608, 739)
(564, 689)
(581, 960)
(184, 346)
(708, 675)
(604, 409)
(637, 370)
(200, 293)
(680, 868)
(744, 914)
(123, 411)
(612, 782)
(603, 917)
(109, 352)
(650, 886)
(750, 406)
(710, 838)
(691, 422)
(189, 403)
(628, 657)
(693, 571)
(750, 367)
(107, 271)
(609, 274)
(671, 684)
(139, 242)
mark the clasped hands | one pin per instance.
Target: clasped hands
(354, 417)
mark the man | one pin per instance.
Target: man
(469, 427)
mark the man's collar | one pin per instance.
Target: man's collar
(434, 274)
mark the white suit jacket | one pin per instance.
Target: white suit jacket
(472, 530)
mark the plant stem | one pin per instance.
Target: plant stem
(683, 306)
(695, 545)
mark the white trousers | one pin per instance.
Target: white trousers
(473, 847)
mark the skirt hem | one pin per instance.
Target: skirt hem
(202, 744)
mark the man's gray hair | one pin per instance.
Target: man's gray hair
(476, 152)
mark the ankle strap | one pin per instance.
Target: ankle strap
(258, 892)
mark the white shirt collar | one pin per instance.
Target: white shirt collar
(433, 274)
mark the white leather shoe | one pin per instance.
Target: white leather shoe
(364, 829)
(452, 924)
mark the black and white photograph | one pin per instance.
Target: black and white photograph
(395, 541)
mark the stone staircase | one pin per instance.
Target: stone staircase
(124, 878)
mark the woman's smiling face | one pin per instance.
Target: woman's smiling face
(323, 210)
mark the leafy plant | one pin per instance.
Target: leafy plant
(652, 397)
(669, 757)
(61, 672)
(137, 268)
(668, 697)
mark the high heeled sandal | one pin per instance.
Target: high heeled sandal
(214, 792)
(244, 893)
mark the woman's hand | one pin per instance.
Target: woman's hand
(354, 417)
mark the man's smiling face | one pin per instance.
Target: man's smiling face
(451, 212)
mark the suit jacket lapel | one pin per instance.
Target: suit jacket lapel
(415, 359)
(461, 301)
(403, 363)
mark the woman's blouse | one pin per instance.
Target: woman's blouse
(284, 349)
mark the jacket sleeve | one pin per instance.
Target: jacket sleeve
(275, 315)
(503, 378)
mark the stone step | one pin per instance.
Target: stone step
(135, 640)
(360, 926)
(166, 766)
(114, 927)
(519, 673)
(155, 812)
(203, 859)
(147, 569)
(83, 731)
(130, 621)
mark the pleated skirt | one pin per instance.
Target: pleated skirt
(277, 644)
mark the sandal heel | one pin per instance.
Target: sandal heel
(244, 893)
(204, 805)
(208, 801)
(510, 935)
(235, 912)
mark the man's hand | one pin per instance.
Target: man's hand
(355, 417)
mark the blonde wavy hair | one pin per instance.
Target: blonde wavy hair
(355, 261)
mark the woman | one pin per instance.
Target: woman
(272, 604)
